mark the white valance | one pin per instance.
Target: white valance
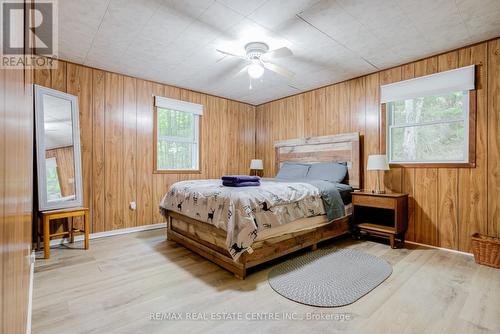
(165, 102)
(459, 79)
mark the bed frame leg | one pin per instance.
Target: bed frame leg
(169, 225)
(240, 275)
(314, 247)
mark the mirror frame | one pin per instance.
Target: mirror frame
(43, 204)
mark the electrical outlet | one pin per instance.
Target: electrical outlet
(133, 206)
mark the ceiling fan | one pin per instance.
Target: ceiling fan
(258, 59)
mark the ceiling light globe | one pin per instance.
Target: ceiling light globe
(255, 70)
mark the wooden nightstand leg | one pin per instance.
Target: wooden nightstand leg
(402, 239)
(46, 237)
(391, 238)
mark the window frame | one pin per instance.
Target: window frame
(197, 130)
(469, 145)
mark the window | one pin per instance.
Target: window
(429, 129)
(177, 136)
(428, 119)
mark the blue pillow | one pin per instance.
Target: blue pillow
(291, 170)
(328, 171)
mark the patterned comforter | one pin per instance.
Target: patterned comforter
(243, 212)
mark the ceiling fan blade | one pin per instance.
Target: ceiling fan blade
(240, 72)
(278, 69)
(230, 54)
(278, 53)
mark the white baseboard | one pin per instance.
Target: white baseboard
(440, 248)
(30, 292)
(105, 234)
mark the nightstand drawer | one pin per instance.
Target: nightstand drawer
(374, 201)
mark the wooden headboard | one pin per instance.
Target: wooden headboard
(338, 148)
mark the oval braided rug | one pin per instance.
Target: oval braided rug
(329, 277)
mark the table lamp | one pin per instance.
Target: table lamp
(255, 165)
(377, 162)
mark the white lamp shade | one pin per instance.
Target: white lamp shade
(256, 164)
(377, 162)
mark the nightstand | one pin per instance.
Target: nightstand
(385, 215)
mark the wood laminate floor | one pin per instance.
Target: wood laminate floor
(117, 285)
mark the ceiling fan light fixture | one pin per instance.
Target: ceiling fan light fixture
(255, 70)
(259, 59)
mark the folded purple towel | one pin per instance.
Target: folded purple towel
(241, 184)
(240, 178)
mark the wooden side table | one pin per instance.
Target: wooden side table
(384, 215)
(46, 216)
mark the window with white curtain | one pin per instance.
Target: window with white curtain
(428, 118)
(177, 135)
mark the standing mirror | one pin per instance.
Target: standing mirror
(58, 150)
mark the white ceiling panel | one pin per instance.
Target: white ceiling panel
(334, 21)
(439, 21)
(174, 41)
(244, 7)
(123, 22)
(274, 13)
(165, 25)
(79, 22)
(188, 8)
(218, 18)
(374, 14)
(482, 21)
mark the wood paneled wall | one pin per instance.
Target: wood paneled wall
(16, 189)
(446, 205)
(116, 125)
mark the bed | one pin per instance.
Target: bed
(216, 233)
